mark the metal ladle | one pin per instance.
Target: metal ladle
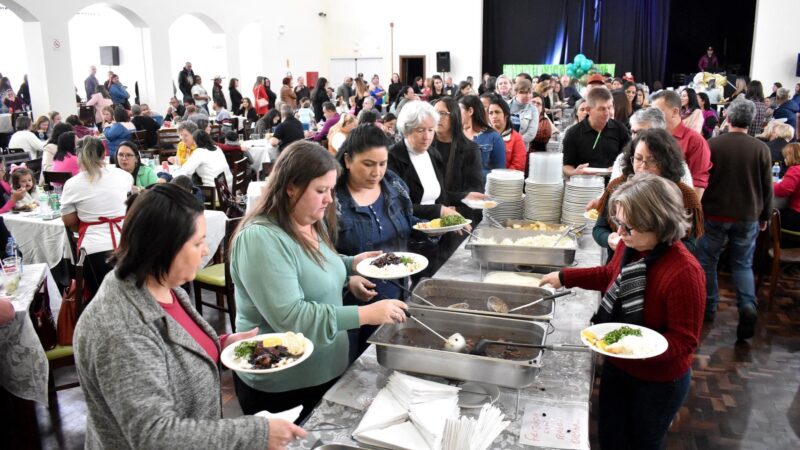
(455, 343)
(498, 305)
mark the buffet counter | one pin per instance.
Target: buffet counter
(565, 377)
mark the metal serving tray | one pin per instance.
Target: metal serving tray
(444, 293)
(511, 254)
(552, 227)
(426, 355)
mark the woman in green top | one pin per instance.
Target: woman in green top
(289, 277)
(128, 159)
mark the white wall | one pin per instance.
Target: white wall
(775, 43)
(368, 34)
(252, 38)
(15, 60)
(99, 26)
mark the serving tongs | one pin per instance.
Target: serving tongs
(480, 347)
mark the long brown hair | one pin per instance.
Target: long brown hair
(298, 164)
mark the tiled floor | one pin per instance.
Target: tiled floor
(743, 396)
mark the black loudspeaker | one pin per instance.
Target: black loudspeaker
(109, 56)
(797, 71)
(443, 61)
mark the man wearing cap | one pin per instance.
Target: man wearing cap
(708, 62)
(596, 141)
(216, 92)
(594, 80)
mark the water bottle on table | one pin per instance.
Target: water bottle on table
(776, 172)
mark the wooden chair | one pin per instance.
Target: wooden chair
(778, 255)
(63, 355)
(140, 139)
(209, 197)
(226, 199)
(35, 166)
(266, 169)
(241, 178)
(56, 177)
(216, 132)
(217, 278)
(232, 157)
(167, 138)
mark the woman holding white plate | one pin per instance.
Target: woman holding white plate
(147, 361)
(289, 277)
(653, 281)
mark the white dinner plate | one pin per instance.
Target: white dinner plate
(230, 361)
(366, 268)
(654, 338)
(441, 230)
(480, 204)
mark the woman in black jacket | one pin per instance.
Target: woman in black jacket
(319, 96)
(463, 176)
(236, 96)
(271, 96)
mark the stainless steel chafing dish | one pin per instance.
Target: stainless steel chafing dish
(408, 347)
(519, 254)
(551, 227)
(444, 293)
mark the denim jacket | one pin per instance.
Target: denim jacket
(355, 228)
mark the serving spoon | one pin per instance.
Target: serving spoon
(498, 305)
(455, 343)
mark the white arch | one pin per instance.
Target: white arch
(132, 17)
(20, 11)
(212, 24)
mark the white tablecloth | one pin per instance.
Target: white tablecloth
(261, 152)
(41, 241)
(23, 363)
(254, 190)
(215, 233)
(45, 241)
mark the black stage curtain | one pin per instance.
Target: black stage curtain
(629, 33)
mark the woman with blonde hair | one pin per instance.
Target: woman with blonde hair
(777, 135)
(338, 133)
(93, 203)
(41, 128)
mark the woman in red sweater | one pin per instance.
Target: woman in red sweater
(500, 119)
(260, 98)
(655, 282)
(789, 187)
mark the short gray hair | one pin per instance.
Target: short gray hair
(187, 125)
(652, 116)
(136, 109)
(652, 203)
(783, 94)
(370, 100)
(741, 112)
(412, 115)
(286, 111)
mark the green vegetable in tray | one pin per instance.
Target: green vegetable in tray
(455, 219)
(245, 349)
(406, 260)
(614, 336)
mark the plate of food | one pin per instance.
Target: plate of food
(267, 353)
(28, 207)
(591, 214)
(444, 224)
(392, 265)
(488, 203)
(626, 341)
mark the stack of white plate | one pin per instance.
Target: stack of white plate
(543, 201)
(505, 186)
(546, 167)
(580, 190)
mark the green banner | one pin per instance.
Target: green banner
(553, 69)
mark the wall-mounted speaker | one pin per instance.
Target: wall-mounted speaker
(109, 56)
(443, 61)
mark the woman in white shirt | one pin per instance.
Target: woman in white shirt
(207, 161)
(418, 163)
(24, 139)
(93, 203)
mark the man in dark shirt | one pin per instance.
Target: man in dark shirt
(148, 124)
(736, 205)
(596, 141)
(289, 130)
